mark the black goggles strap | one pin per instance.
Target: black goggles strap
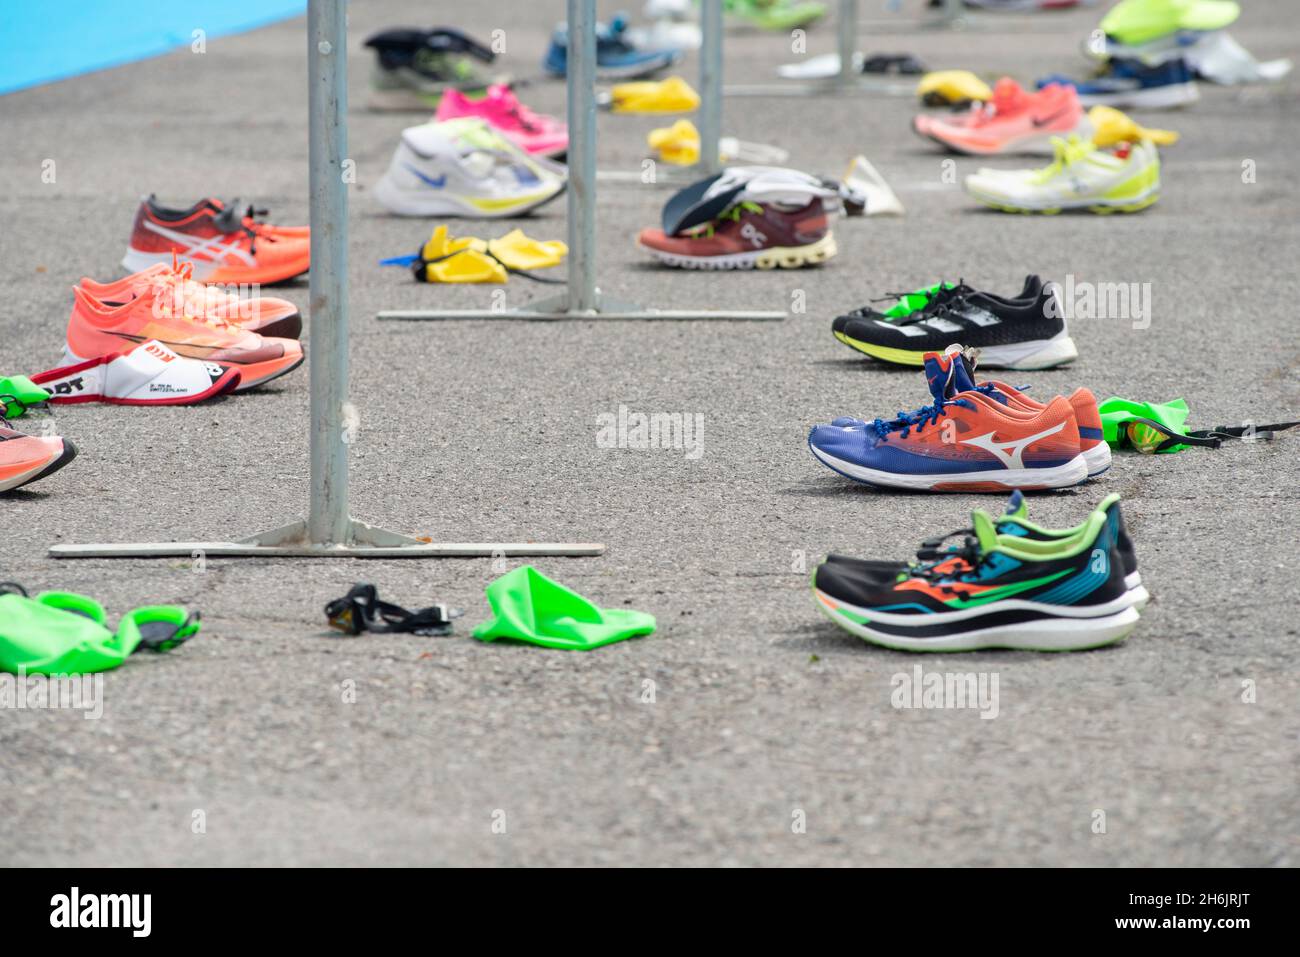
(361, 610)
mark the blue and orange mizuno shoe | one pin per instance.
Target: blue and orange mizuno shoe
(965, 441)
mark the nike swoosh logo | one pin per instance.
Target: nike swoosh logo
(174, 346)
(438, 183)
(1051, 119)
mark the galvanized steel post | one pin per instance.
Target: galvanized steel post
(710, 84)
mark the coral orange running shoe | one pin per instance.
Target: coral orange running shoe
(265, 315)
(97, 329)
(1014, 121)
(223, 244)
(26, 458)
(963, 442)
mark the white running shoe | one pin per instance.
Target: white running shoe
(1080, 177)
(463, 167)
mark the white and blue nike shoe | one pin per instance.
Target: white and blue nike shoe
(1127, 84)
(464, 168)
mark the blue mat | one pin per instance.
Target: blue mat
(46, 40)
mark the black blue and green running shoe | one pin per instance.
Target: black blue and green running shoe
(1010, 585)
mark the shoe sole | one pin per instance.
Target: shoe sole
(1156, 97)
(1102, 207)
(783, 257)
(1037, 143)
(1034, 354)
(49, 468)
(205, 271)
(1059, 632)
(1098, 458)
(402, 202)
(250, 377)
(1073, 472)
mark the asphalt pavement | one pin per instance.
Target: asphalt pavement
(748, 730)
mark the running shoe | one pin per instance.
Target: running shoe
(225, 245)
(907, 305)
(97, 330)
(1131, 83)
(777, 15)
(960, 378)
(414, 68)
(534, 133)
(265, 315)
(997, 591)
(465, 168)
(26, 458)
(149, 374)
(962, 442)
(1125, 180)
(616, 57)
(1013, 121)
(1028, 332)
(749, 235)
(1013, 525)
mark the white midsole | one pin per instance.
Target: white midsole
(1174, 94)
(1072, 472)
(1098, 458)
(1057, 202)
(425, 202)
(1131, 597)
(1035, 354)
(1055, 634)
(1034, 144)
(820, 251)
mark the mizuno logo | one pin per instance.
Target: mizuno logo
(436, 183)
(1010, 453)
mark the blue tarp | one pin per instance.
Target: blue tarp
(46, 40)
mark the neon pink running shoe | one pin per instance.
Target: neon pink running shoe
(1013, 121)
(535, 133)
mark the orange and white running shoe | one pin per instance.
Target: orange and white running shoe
(223, 244)
(1014, 121)
(26, 458)
(97, 329)
(248, 309)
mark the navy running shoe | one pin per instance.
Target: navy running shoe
(1131, 83)
(616, 58)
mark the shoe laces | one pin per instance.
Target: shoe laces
(733, 214)
(917, 419)
(1065, 154)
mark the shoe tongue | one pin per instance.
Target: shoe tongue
(962, 380)
(938, 375)
(985, 531)
(1007, 95)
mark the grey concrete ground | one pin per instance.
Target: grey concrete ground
(486, 430)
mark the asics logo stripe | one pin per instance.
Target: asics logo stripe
(212, 248)
(1010, 453)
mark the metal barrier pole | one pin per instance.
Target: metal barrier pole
(581, 81)
(848, 38)
(327, 104)
(710, 85)
(328, 530)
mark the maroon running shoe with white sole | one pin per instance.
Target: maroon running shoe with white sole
(748, 236)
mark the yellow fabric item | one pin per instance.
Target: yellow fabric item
(517, 251)
(678, 144)
(470, 259)
(673, 95)
(953, 86)
(1110, 126)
